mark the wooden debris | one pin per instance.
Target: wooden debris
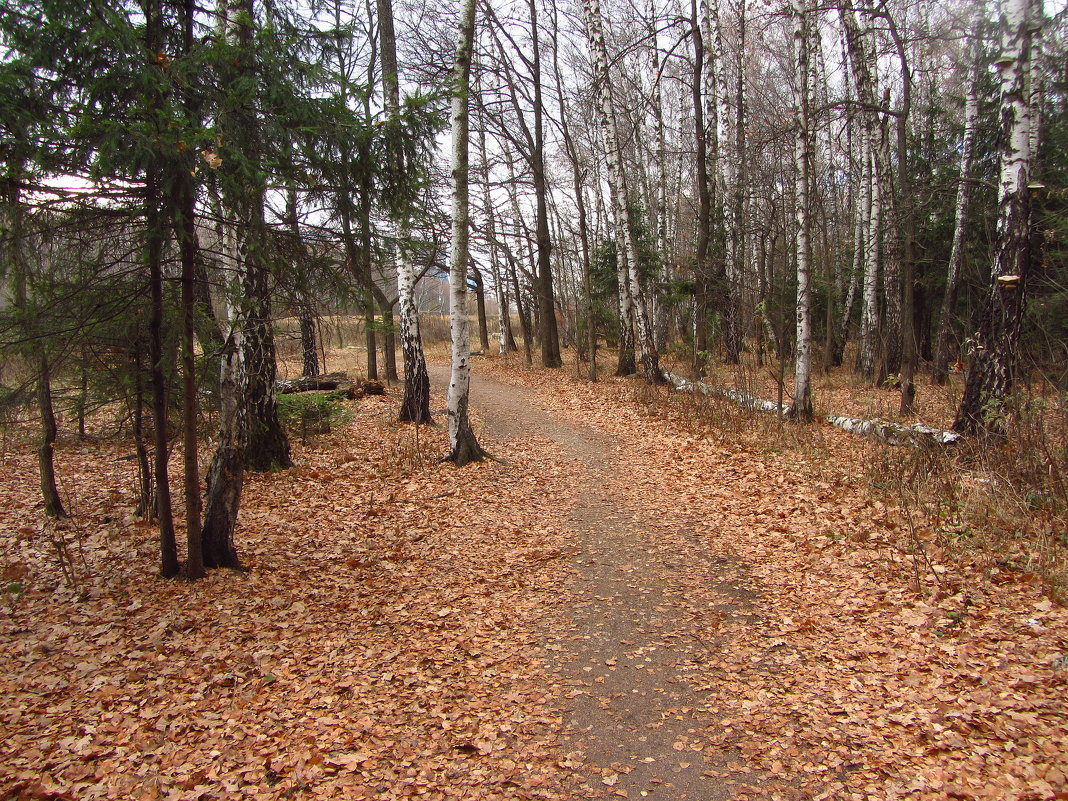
(916, 435)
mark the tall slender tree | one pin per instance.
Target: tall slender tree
(802, 406)
(415, 406)
(463, 446)
(940, 365)
(994, 362)
(627, 246)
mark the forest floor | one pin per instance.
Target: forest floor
(648, 596)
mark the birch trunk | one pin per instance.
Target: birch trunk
(659, 198)
(415, 406)
(620, 196)
(463, 446)
(226, 472)
(871, 196)
(940, 368)
(738, 195)
(802, 406)
(993, 370)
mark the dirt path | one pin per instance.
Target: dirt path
(635, 721)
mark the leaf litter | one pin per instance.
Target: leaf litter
(393, 634)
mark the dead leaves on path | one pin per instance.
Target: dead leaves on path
(847, 683)
(380, 645)
(387, 639)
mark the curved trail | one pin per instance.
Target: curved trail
(634, 719)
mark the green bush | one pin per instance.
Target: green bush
(312, 412)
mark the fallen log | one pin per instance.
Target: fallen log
(313, 383)
(916, 435)
(742, 399)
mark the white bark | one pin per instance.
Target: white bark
(956, 252)
(993, 370)
(463, 447)
(618, 187)
(916, 435)
(802, 409)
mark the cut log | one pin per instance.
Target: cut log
(328, 381)
(916, 435)
(742, 399)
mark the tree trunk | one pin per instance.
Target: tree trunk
(226, 472)
(993, 370)
(268, 445)
(549, 335)
(802, 406)
(185, 232)
(144, 507)
(658, 201)
(480, 305)
(15, 253)
(625, 364)
(940, 367)
(309, 338)
(871, 199)
(155, 235)
(504, 326)
(415, 406)
(463, 446)
(733, 320)
(520, 307)
(389, 332)
(188, 247)
(620, 195)
(702, 271)
(53, 506)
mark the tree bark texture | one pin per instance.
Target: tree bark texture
(802, 406)
(463, 446)
(549, 334)
(620, 195)
(940, 367)
(702, 271)
(993, 368)
(415, 405)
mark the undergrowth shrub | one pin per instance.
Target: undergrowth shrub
(310, 413)
(1003, 497)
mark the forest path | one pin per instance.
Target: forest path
(635, 722)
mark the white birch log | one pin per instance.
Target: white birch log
(916, 435)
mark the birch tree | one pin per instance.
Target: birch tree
(940, 366)
(871, 197)
(463, 446)
(626, 236)
(415, 406)
(802, 406)
(993, 369)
